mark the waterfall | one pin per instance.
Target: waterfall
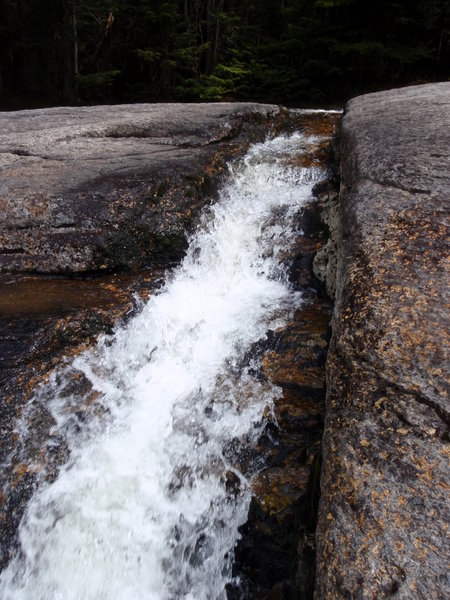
(150, 499)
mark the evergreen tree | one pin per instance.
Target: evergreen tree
(287, 51)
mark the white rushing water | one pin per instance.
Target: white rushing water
(144, 508)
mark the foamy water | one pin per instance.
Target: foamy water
(151, 498)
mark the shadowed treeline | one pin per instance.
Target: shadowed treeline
(288, 51)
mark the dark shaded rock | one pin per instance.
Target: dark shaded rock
(83, 189)
(384, 510)
(275, 557)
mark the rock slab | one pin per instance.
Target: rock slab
(107, 187)
(385, 510)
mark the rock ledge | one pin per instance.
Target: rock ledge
(384, 510)
(101, 188)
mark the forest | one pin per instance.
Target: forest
(294, 52)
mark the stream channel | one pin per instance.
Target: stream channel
(178, 456)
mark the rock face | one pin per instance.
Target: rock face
(384, 510)
(83, 189)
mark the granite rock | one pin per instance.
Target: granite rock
(112, 187)
(384, 509)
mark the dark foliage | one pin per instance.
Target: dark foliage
(288, 51)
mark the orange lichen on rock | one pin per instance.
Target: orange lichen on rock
(386, 468)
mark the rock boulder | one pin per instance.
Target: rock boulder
(97, 188)
(384, 510)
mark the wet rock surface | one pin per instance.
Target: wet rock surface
(117, 187)
(86, 194)
(275, 558)
(44, 318)
(384, 510)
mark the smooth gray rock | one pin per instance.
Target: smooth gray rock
(110, 186)
(385, 510)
